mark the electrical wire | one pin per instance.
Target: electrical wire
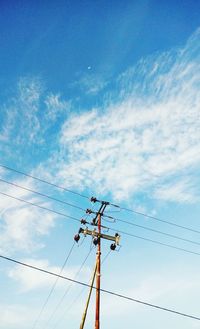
(82, 290)
(113, 218)
(41, 194)
(161, 220)
(106, 256)
(156, 242)
(53, 287)
(112, 204)
(43, 181)
(157, 231)
(125, 233)
(119, 295)
(41, 207)
(68, 289)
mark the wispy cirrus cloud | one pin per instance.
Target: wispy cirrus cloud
(148, 135)
(182, 191)
(144, 136)
(55, 107)
(21, 225)
(90, 83)
(28, 116)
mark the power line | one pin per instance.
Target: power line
(160, 220)
(70, 306)
(105, 257)
(41, 194)
(41, 207)
(117, 219)
(87, 197)
(80, 293)
(44, 181)
(76, 219)
(157, 231)
(157, 242)
(53, 287)
(102, 290)
(68, 288)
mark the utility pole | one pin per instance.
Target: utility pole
(98, 274)
(97, 235)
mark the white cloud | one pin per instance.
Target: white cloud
(29, 279)
(91, 84)
(180, 191)
(21, 224)
(145, 134)
(149, 134)
(21, 122)
(55, 106)
(164, 289)
(27, 117)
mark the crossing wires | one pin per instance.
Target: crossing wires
(111, 217)
(168, 222)
(114, 294)
(120, 231)
(61, 300)
(44, 181)
(53, 287)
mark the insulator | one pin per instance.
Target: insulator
(88, 211)
(96, 241)
(77, 237)
(83, 221)
(93, 199)
(113, 246)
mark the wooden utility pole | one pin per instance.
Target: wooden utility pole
(98, 275)
(97, 236)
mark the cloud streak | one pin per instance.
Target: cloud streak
(146, 134)
(22, 225)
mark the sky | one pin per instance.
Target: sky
(101, 98)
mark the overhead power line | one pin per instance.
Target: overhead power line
(157, 231)
(79, 294)
(116, 219)
(119, 231)
(102, 290)
(68, 289)
(87, 197)
(41, 207)
(160, 220)
(44, 181)
(157, 242)
(53, 287)
(41, 194)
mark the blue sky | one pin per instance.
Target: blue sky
(102, 98)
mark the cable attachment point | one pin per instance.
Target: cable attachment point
(83, 221)
(93, 199)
